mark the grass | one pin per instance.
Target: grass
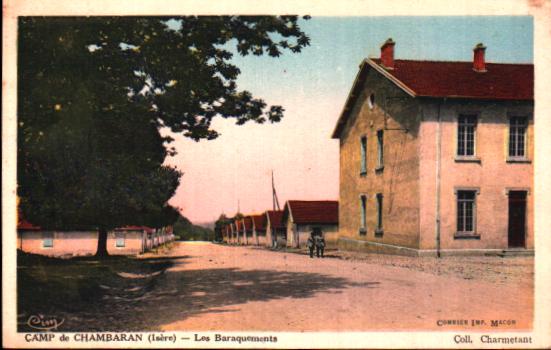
(57, 287)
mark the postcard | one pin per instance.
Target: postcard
(290, 174)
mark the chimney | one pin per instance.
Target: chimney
(387, 54)
(479, 65)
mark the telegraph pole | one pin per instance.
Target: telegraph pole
(275, 201)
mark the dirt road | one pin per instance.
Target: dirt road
(221, 287)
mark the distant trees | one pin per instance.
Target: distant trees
(219, 225)
(187, 231)
(94, 92)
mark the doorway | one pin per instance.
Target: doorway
(517, 219)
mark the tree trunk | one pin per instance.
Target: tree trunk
(102, 242)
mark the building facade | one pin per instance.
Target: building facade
(302, 217)
(435, 157)
(259, 229)
(248, 230)
(276, 235)
(129, 240)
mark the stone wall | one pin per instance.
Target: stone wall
(394, 112)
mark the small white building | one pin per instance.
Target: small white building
(302, 217)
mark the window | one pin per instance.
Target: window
(119, 239)
(466, 212)
(363, 209)
(380, 150)
(371, 101)
(466, 134)
(517, 137)
(47, 240)
(379, 229)
(363, 152)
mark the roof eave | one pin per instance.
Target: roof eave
(342, 118)
(316, 223)
(480, 98)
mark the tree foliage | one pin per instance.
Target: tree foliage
(94, 93)
(220, 225)
(187, 231)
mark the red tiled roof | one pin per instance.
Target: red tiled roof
(135, 228)
(24, 225)
(276, 217)
(501, 81)
(248, 223)
(259, 222)
(238, 224)
(313, 212)
(438, 79)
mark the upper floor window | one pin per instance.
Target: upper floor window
(363, 152)
(466, 135)
(371, 101)
(517, 137)
(380, 149)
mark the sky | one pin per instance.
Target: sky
(234, 171)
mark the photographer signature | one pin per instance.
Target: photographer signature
(44, 323)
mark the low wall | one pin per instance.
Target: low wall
(350, 244)
(78, 243)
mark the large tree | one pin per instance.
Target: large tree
(94, 93)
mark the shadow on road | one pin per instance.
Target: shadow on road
(127, 294)
(194, 292)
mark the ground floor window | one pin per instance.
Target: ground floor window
(119, 239)
(379, 229)
(466, 212)
(363, 210)
(47, 240)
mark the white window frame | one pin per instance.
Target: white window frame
(463, 233)
(459, 139)
(516, 156)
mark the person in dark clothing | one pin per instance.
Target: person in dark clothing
(311, 244)
(320, 246)
(319, 242)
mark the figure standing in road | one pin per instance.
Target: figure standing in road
(319, 242)
(311, 244)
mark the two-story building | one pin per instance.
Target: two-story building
(435, 157)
